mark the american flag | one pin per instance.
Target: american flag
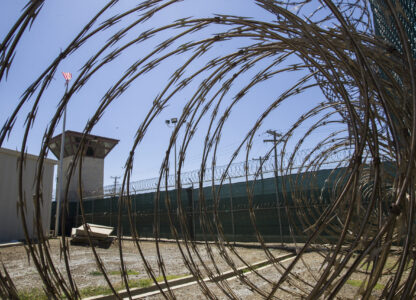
(67, 76)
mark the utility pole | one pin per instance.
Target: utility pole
(261, 160)
(115, 183)
(275, 135)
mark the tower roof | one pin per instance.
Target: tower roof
(95, 146)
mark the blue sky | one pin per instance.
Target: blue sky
(60, 21)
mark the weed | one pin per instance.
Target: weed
(32, 294)
(169, 277)
(358, 283)
(129, 272)
(94, 291)
(39, 294)
(95, 273)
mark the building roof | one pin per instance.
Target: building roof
(95, 146)
(27, 156)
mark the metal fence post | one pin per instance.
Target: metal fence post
(92, 210)
(76, 214)
(278, 207)
(275, 134)
(134, 205)
(193, 212)
(232, 209)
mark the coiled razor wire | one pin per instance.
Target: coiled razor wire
(370, 91)
(234, 171)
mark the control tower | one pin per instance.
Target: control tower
(96, 149)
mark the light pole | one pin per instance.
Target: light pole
(68, 77)
(171, 123)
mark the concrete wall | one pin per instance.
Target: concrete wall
(92, 177)
(11, 227)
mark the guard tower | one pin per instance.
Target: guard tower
(95, 150)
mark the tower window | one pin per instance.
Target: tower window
(90, 151)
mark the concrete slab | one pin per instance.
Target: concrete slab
(4, 245)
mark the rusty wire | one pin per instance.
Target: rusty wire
(370, 93)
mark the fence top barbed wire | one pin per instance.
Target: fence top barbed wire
(236, 172)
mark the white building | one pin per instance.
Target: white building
(11, 227)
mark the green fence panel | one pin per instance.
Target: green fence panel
(273, 215)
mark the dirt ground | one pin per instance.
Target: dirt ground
(293, 289)
(85, 273)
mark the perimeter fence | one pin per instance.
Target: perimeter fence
(227, 210)
(280, 208)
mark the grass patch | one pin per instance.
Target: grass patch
(392, 264)
(136, 283)
(146, 282)
(38, 293)
(32, 294)
(358, 283)
(129, 272)
(379, 286)
(140, 283)
(355, 282)
(94, 291)
(170, 277)
(388, 265)
(105, 290)
(95, 273)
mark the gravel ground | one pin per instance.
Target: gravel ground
(84, 270)
(294, 289)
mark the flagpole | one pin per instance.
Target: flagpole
(61, 159)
